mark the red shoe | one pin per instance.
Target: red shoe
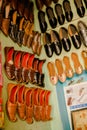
(17, 64)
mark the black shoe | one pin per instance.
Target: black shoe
(55, 1)
(63, 33)
(42, 22)
(47, 44)
(82, 28)
(72, 30)
(79, 7)
(85, 1)
(59, 13)
(57, 46)
(51, 17)
(68, 11)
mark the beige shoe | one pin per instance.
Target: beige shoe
(68, 68)
(61, 73)
(77, 64)
(52, 73)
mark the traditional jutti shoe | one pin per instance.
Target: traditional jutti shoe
(77, 65)
(11, 104)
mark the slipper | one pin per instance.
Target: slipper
(21, 103)
(60, 70)
(11, 104)
(52, 73)
(29, 105)
(68, 69)
(9, 65)
(77, 65)
(6, 21)
(17, 64)
(84, 56)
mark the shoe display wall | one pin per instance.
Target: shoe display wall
(44, 50)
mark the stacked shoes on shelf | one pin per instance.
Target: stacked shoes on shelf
(59, 13)
(23, 67)
(28, 103)
(17, 22)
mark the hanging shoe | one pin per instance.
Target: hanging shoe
(68, 10)
(21, 103)
(39, 4)
(48, 44)
(68, 68)
(79, 7)
(11, 104)
(77, 65)
(52, 73)
(42, 21)
(60, 14)
(63, 33)
(51, 17)
(82, 28)
(57, 46)
(60, 70)
(9, 64)
(75, 37)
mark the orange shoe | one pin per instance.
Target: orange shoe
(21, 103)
(11, 104)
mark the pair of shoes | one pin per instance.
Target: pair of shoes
(68, 12)
(55, 76)
(52, 43)
(80, 7)
(74, 35)
(15, 102)
(51, 18)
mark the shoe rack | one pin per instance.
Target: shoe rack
(56, 122)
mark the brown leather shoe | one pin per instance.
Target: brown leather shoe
(39, 4)
(47, 2)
